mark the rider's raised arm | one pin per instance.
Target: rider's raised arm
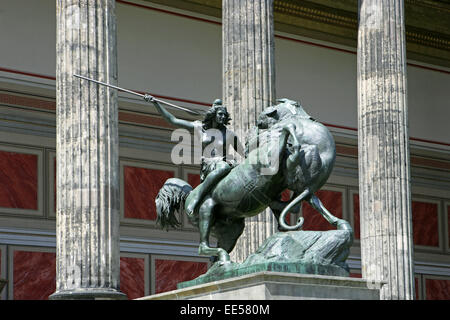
(180, 123)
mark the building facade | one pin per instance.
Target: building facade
(173, 50)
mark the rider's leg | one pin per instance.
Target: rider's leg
(221, 170)
(205, 223)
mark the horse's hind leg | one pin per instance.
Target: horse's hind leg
(206, 219)
(315, 202)
(228, 233)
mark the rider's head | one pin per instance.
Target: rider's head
(217, 115)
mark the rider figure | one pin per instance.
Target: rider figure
(218, 163)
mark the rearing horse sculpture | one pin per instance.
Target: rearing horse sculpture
(304, 153)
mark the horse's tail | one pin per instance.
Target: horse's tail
(171, 198)
(282, 225)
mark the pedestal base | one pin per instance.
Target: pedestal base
(277, 286)
(89, 294)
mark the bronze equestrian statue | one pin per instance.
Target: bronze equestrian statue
(304, 150)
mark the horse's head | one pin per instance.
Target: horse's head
(287, 108)
(284, 109)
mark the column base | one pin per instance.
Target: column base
(88, 294)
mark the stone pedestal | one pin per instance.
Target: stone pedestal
(277, 286)
(288, 265)
(87, 152)
(303, 252)
(248, 88)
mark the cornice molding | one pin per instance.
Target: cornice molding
(427, 34)
(287, 7)
(443, 5)
(349, 19)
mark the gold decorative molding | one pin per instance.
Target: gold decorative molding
(427, 32)
(428, 40)
(303, 6)
(349, 20)
(438, 5)
(314, 13)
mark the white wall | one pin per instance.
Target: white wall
(323, 80)
(169, 55)
(180, 57)
(429, 104)
(28, 35)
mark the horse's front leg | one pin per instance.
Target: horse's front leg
(206, 219)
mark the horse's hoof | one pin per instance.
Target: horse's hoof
(222, 263)
(188, 212)
(224, 257)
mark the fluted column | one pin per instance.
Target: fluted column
(384, 172)
(87, 152)
(248, 87)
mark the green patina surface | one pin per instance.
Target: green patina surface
(305, 153)
(234, 270)
(305, 252)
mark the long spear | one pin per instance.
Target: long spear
(144, 96)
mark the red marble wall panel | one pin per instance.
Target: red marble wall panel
(356, 222)
(169, 272)
(437, 289)
(425, 223)
(18, 180)
(332, 200)
(132, 277)
(355, 275)
(193, 180)
(34, 275)
(141, 185)
(286, 196)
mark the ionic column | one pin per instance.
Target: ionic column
(248, 87)
(87, 152)
(384, 172)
